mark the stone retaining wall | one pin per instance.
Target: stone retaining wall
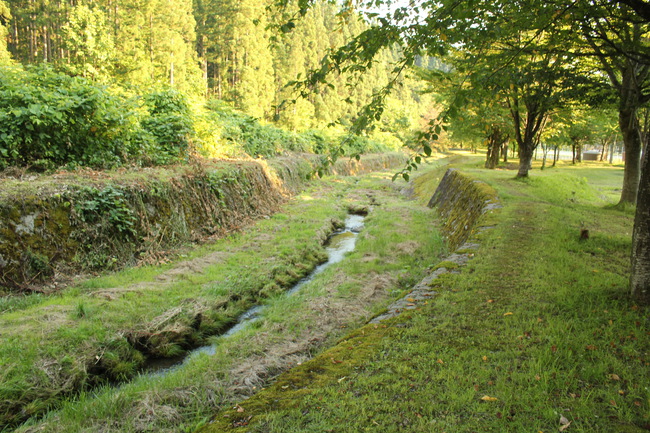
(461, 201)
(61, 225)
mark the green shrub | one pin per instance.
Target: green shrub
(255, 138)
(48, 119)
(169, 123)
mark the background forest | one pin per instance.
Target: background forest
(106, 82)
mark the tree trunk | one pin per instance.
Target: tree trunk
(632, 144)
(579, 152)
(526, 150)
(640, 278)
(573, 151)
(495, 141)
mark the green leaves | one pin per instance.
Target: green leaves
(51, 119)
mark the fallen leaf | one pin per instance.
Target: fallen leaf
(484, 358)
(488, 398)
(612, 402)
(637, 403)
(239, 408)
(621, 392)
(613, 376)
(336, 361)
(565, 426)
(540, 320)
(342, 379)
(553, 349)
(564, 420)
(508, 314)
(410, 299)
(537, 377)
(590, 347)
(490, 301)
(440, 361)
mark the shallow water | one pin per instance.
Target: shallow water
(338, 245)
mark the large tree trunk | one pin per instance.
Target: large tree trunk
(640, 278)
(629, 125)
(526, 150)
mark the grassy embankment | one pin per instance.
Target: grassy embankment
(53, 338)
(536, 334)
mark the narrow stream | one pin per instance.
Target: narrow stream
(338, 245)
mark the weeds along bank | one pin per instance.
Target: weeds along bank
(60, 225)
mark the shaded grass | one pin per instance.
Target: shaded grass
(538, 326)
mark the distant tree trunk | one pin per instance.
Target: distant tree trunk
(495, 143)
(640, 277)
(544, 155)
(556, 155)
(527, 130)
(579, 152)
(505, 152)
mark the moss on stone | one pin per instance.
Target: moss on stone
(461, 202)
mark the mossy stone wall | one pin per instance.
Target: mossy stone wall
(461, 201)
(110, 224)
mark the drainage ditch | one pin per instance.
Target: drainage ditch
(338, 245)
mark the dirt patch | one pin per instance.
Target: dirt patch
(326, 316)
(378, 286)
(193, 266)
(408, 247)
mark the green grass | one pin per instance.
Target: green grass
(90, 321)
(96, 323)
(536, 331)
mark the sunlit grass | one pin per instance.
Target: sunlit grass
(537, 331)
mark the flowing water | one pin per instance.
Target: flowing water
(338, 245)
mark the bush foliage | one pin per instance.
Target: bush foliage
(49, 119)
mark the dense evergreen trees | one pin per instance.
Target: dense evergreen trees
(217, 48)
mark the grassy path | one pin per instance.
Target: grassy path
(536, 334)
